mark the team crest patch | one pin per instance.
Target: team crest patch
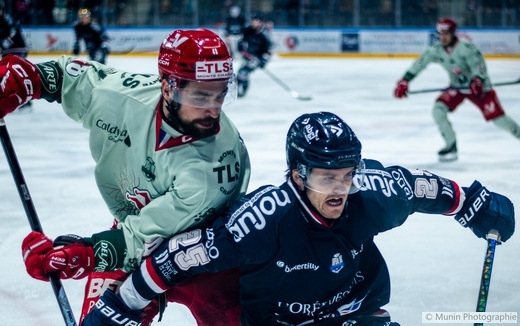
(337, 263)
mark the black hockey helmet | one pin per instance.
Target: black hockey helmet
(322, 140)
(257, 16)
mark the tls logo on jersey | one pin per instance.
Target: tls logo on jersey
(213, 69)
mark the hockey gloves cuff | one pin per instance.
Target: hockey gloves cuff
(401, 89)
(20, 83)
(484, 210)
(69, 255)
(111, 310)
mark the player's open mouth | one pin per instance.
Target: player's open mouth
(335, 201)
(206, 124)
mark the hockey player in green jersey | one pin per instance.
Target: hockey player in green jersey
(167, 159)
(469, 79)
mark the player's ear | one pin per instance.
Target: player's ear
(297, 179)
(165, 89)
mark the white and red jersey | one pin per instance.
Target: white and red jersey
(155, 181)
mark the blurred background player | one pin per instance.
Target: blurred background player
(12, 41)
(469, 79)
(235, 24)
(11, 38)
(94, 36)
(255, 47)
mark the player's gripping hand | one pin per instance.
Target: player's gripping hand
(484, 210)
(69, 255)
(34, 247)
(401, 89)
(111, 310)
(476, 87)
(19, 83)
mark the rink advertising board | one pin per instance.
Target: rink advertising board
(297, 42)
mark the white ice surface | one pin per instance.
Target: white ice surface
(435, 264)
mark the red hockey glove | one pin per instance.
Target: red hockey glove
(34, 247)
(476, 87)
(401, 89)
(73, 258)
(20, 83)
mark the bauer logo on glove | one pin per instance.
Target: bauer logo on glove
(475, 206)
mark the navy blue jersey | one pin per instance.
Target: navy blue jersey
(93, 34)
(235, 25)
(11, 39)
(295, 267)
(258, 43)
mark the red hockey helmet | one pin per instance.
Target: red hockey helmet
(446, 25)
(196, 56)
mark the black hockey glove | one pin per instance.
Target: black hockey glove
(484, 210)
(242, 46)
(111, 310)
(75, 48)
(105, 48)
(262, 61)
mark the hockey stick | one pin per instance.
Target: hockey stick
(291, 91)
(34, 221)
(429, 90)
(492, 238)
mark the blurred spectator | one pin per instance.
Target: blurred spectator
(430, 12)
(470, 15)
(491, 10)
(44, 11)
(235, 24)
(22, 11)
(60, 12)
(386, 11)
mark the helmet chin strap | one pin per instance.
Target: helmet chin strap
(171, 117)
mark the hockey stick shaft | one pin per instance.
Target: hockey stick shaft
(34, 221)
(493, 238)
(286, 87)
(430, 90)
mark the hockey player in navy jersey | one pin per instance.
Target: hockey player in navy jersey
(306, 248)
(255, 46)
(94, 36)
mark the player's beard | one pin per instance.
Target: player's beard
(190, 127)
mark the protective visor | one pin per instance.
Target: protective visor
(330, 182)
(207, 94)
